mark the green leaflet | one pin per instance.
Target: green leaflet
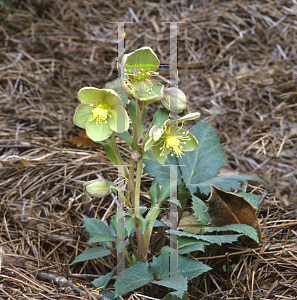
(199, 208)
(214, 239)
(92, 253)
(240, 228)
(134, 277)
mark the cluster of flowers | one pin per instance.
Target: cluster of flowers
(101, 112)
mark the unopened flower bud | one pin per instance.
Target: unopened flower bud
(181, 99)
(97, 188)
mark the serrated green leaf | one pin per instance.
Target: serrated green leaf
(102, 237)
(226, 183)
(129, 224)
(187, 245)
(135, 276)
(184, 241)
(160, 266)
(96, 226)
(113, 227)
(103, 280)
(161, 172)
(206, 160)
(165, 192)
(192, 248)
(249, 197)
(178, 283)
(240, 228)
(214, 239)
(177, 294)
(187, 267)
(154, 193)
(191, 268)
(92, 253)
(199, 208)
(159, 224)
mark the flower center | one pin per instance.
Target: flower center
(173, 140)
(99, 113)
(173, 143)
(144, 74)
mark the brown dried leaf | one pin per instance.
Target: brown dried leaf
(83, 141)
(190, 224)
(228, 208)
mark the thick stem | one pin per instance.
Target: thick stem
(137, 185)
(131, 183)
(137, 118)
(142, 254)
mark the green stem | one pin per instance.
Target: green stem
(121, 165)
(128, 257)
(122, 168)
(136, 129)
(151, 216)
(137, 185)
(138, 228)
(131, 184)
(142, 254)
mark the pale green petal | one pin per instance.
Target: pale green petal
(157, 153)
(119, 121)
(91, 95)
(82, 114)
(148, 144)
(98, 132)
(191, 116)
(142, 58)
(150, 91)
(157, 133)
(191, 144)
(131, 90)
(111, 98)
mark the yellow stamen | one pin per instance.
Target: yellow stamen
(99, 113)
(173, 141)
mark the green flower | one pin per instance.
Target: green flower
(101, 113)
(137, 68)
(171, 139)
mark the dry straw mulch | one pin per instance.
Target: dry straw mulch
(237, 65)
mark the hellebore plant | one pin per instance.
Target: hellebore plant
(198, 156)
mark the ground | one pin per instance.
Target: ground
(237, 66)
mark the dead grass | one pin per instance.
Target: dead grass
(237, 65)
